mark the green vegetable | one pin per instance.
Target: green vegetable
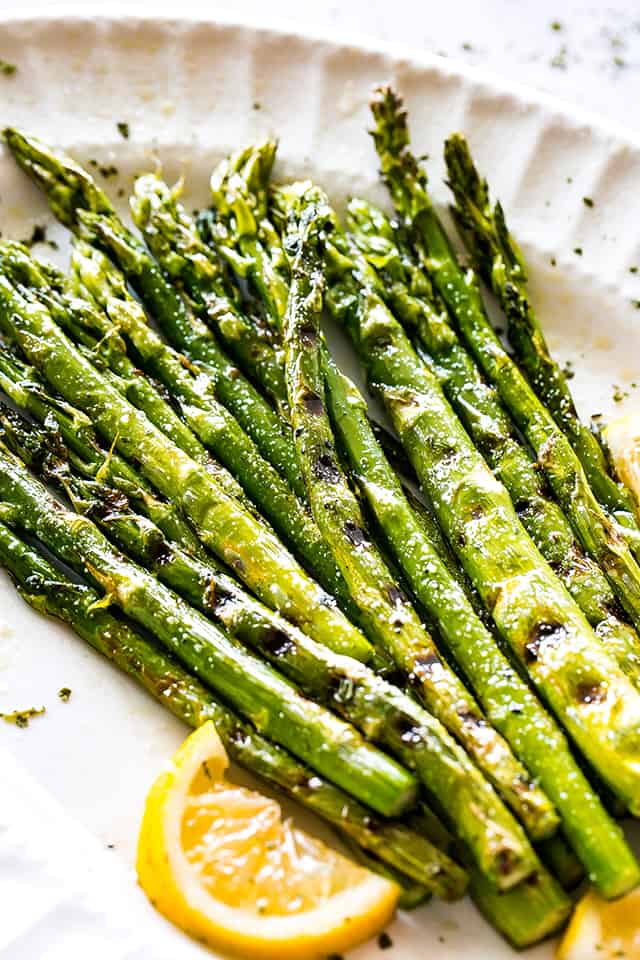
(173, 239)
(22, 385)
(71, 190)
(49, 592)
(245, 235)
(459, 290)
(498, 258)
(381, 711)
(410, 296)
(215, 427)
(500, 847)
(241, 540)
(537, 618)
(260, 694)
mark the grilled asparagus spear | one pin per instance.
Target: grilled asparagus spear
(20, 382)
(409, 294)
(499, 260)
(240, 539)
(50, 592)
(536, 616)
(72, 191)
(259, 692)
(379, 710)
(173, 238)
(459, 289)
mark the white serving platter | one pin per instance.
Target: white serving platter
(72, 785)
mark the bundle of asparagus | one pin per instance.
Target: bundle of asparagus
(453, 683)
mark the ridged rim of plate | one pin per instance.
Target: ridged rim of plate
(281, 27)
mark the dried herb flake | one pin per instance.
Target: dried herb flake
(21, 718)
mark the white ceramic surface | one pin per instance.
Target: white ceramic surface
(191, 91)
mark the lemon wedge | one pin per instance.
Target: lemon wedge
(622, 437)
(221, 863)
(603, 929)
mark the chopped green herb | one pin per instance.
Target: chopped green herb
(560, 59)
(569, 179)
(8, 69)
(619, 62)
(556, 25)
(108, 171)
(553, 261)
(21, 718)
(619, 394)
(633, 269)
(467, 46)
(636, 304)
(568, 370)
(123, 129)
(578, 251)
(38, 235)
(588, 202)
(256, 105)
(65, 694)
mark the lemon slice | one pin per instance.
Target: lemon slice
(603, 929)
(219, 861)
(622, 437)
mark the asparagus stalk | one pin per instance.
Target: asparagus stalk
(271, 703)
(21, 384)
(412, 895)
(525, 915)
(500, 261)
(547, 633)
(538, 736)
(240, 540)
(107, 350)
(379, 710)
(71, 191)
(213, 424)
(391, 620)
(523, 918)
(246, 236)
(461, 294)
(409, 294)
(48, 591)
(173, 239)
